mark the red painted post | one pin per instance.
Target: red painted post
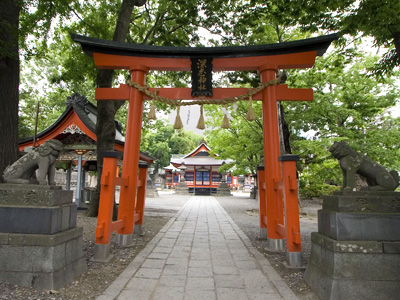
(271, 154)
(131, 155)
(141, 196)
(262, 200)
(291, 207)
(105, 225)
(106, 204)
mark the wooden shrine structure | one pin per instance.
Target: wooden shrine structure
(76, 129)
(201, 173)
(279, 219)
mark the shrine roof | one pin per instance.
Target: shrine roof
(93, 45)
(201, 161)
(199, 157)
(202, 145)
(87, 114)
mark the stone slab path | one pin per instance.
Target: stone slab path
(199, 254)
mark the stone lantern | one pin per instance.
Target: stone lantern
(182, 169)
(223, 189)
(182, 188)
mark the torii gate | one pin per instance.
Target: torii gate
(279, 220)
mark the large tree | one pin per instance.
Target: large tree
(9, 81)
(377, 19)
(17, 19)
(69, 70)
(349, 104)
(106, 110)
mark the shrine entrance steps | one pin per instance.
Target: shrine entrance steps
(199, 254)
(202, 191)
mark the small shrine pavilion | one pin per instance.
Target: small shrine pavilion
(76, 129)
(200, 169)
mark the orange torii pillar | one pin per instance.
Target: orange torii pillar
(130, 166)
(130, 211)
(271, 202)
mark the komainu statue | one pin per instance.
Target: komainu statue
(41, 159)
(352, 162)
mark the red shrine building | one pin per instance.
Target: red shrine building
(201, 173)
(76, 129)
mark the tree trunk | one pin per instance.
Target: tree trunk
(106, 110)
(284, 132)
(396, 39)
(9, 83)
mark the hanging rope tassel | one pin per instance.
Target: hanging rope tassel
(200, 124)
(250, 113)
(225, 122)
(152, 112)
(178, 121)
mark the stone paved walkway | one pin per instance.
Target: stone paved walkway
(199, 254)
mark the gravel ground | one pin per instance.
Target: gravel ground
(244, 212)
(99, 275)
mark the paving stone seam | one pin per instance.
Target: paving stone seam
(193, 225)
(180, 216)
(277, 281)
(116, 287)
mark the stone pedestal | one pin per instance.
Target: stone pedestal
(151, 191)
(182, 189)
(223, 190)
(40, 245)
(356, 252)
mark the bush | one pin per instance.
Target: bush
(317, 190)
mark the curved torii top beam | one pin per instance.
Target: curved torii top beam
(287, 55)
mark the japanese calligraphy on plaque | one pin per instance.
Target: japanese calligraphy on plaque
(201, 77)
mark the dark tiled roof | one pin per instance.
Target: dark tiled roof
(90, 45)
(87, 113)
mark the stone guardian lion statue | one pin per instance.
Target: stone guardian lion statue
(352, 162)
(41, 159)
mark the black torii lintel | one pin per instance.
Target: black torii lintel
(93, 45)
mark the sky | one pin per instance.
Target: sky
(189, 116)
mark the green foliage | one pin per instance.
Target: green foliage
(242, 142)
(348, 104)
(319, 172)
(161, 140)
(54, 67)
(316, 190)
(377, 19)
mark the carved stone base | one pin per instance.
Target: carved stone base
(356, 253)
(42, 261)
(340, 270)
(40, 245)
